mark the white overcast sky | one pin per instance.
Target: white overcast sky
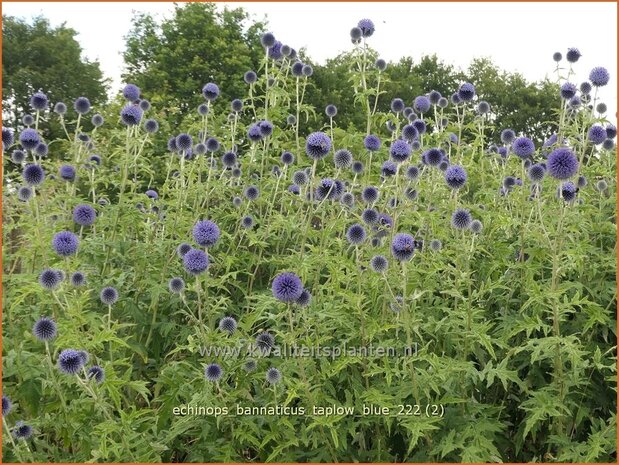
(517, 36)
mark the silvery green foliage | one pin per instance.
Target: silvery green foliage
(514, 327)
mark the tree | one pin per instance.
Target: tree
(173, 60)
(39, 57)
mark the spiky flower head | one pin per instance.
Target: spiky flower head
(461, 219)
(403, 247)
(356, 234)
(97, 373)
(70, 361)
(108, 295)
(206, 233)
(342, 159)
(599, 76)
(176, 285)
(44, 329)
(455, 176)
(81, 105)
(287, 287)
(466, 92)
(400, 151)
(213, 372)
(195, 261)
(562, 163)
(210, 91)
(273, 375)
(379, 264)
(597, 134)
(317, 145)
(131, 92)
(366, 26)
(84, 215)
(227, 324)
(65, 243)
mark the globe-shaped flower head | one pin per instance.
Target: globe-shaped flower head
(97, 373)
(33, 175)
(39, 101)
(131, 115)
(356, 234)
(400, 151)
(422, 104)
(366, 26)
(67, 172)
(567, 191)
(372, 143)
(70, 361)
(213, 372)
(6, 405)
(29, 138)
(523, 147)
(397, 105)
(287, 287)
(250, 77)
(409, 132)
(97, 120)
(60, 108)
(108, 295)
(599, 76)
(265, 342)
(65, 243)
(331, 110)
(131, 92)
(151, 126)
(568, 90)
(461, 219)
(403, 247)
(206, 233)
(433, 157)
(84, 215)
(536, 173)
(44, 329)
(195, 261)
(573, 54)
(466, 92)
(184, 142)
(210, 91)
(78, 279)
(49, 279)
(455, 176)
(176, 285)
(227, 324)
(81, 105)
(267, 40)
(22, 430)
(342, 159)
(8, 138)
(273, 375)
(317, 145)
(562, 163)
(597, 134)
(379, 264)
(380, 64)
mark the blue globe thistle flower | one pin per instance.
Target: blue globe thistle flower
(443, 102)
(265, 342)
(379, 264)
(455, 176)
(304, 299)
(536, 173)
(151, 194)
(356, 33)
(70, 361)
(297, 69)
(287, 158)
(182, 249)
(254, 133)
(176, 285)
(409, 132)
(507, 136)
(227, 324)
(8, 138)
(28, 138)
(601, 107)
(608, 144)
(372, 143)
(60, 108)
(24, 193)
(213, 372)
(212, 144)
(250, 365)
(573, 54)
(331, 110)
(400, 151)
(380, 64)
(408, 111)
(39, 101)
(84, 215)
(410, 193)
(206, 233)
(483, 107)
(203, 109)
(420, 125)
(210, 91)
(247, 222)
(342, 159)
(199, 149)
(287, 287)
(582, 182)
(294, 189)
(317, 145)
(575, 102)
(412, 173)
(267, 40)
(33, 175)
(523, 147)
(84, 356)
(357, 167)
(228, 159)
(131, 115)
(6, 405)
(97, 120)
(403, 247)
(567, 191)
(78, 279)
(108, 295)
(348, 199)
(172, 147)
(397, 105)
(266, 128)
(433, 157)
(67, 172)
(131, 92)
(151, 126)
(291, 120)
(586, 88)
(443, 165)
(509, 182)
(466, 92)
(236, 105)
(97, 373)
(461, 219)
(557, 56)
(328, 188)
(195, 261)
(568, 90)
(184, 142)
(273, 375)
(65, 243)
(436, 245)
(144, 105)
(434, 96)
(49, 279)
(388, 169)
(286, 50)
(44, 329)
(356, 234)
(385, 220)
(300, 178)
(476, 226)
(22, 430)
(81, 105)
(369, 216)
(597, 134)
(250, 77)
(599, 76)
(252, 193)
(366, 26)
(307, 70)
(422, 104)
(95, 159)
(275, 51)
(562, 163)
